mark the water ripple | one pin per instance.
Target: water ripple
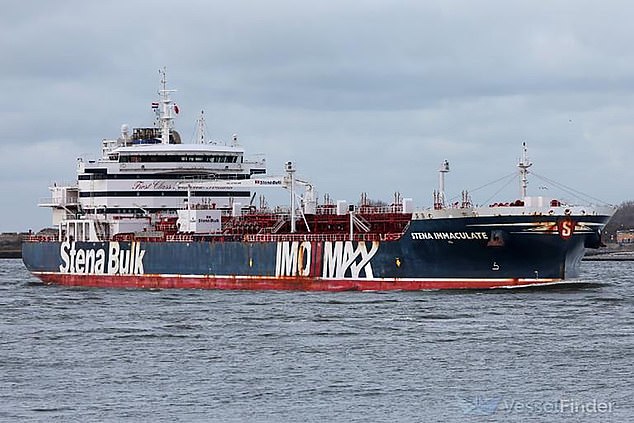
(77, 354)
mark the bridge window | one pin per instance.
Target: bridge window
(164, 158)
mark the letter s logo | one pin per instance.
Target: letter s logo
(566, 228)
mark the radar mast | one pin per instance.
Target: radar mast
(167, 108)
(523, 165)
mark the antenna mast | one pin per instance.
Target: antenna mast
(290, 173)
(166, 111)
(201, 128)
(523, 165)
(444, 169)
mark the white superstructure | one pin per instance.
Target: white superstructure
(141, 173)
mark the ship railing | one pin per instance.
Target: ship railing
(189, 237)
(64, 184)
(321, 237)
(364, 209)
(179, 237)
(395, 208)
(41, 238)
(59, 202)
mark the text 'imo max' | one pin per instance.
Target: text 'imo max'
(339, 259)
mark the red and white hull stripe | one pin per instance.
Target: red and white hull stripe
(156, 281)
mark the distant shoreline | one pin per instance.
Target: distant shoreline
(609, 257)
(11, 244)
(612, 253)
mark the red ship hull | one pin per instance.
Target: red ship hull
(284, 284)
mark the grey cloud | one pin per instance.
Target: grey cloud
(372, 93)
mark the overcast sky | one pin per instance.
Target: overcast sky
(363, 95)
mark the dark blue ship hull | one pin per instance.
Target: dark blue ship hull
(445, 253)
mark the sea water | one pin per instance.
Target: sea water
(556, 354)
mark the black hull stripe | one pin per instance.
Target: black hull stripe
(89, 194)
(178, 176)
(133, 210)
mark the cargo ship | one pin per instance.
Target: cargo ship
(153, 212)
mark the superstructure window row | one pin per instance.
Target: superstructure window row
(178, 158)
(87, 194)
(132, 210)
(146, 176)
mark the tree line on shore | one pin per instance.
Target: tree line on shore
(622, 219)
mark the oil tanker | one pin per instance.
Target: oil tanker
(153, 212)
